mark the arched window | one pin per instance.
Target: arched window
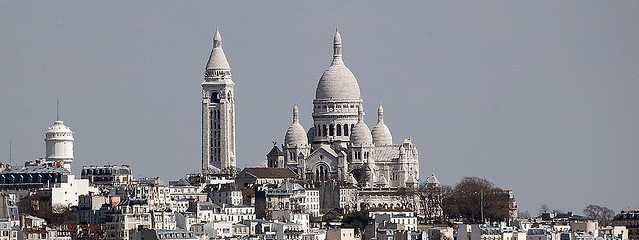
(339, 130)
(345, 129)
(324, 130)
(215, 97)
(331, 130)
(319, 130)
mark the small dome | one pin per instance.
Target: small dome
(381, 133)
(59, 131)
(295, 134)
(58, 127)
(361, 134)
(337, 82)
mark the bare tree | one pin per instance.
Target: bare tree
(473, 197)
(544, 208)
(603, 214)
(524, 214)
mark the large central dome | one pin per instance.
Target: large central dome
(337, 82)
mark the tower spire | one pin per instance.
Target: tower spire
(217, 60)
(337, 48)
(218, 113)
(217, 39)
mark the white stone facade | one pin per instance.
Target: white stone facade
(59, 144)
(340, 146)
(68, 191)
(218, 113)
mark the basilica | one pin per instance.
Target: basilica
(351, 165)
(340, 146)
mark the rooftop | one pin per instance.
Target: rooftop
(270, 172)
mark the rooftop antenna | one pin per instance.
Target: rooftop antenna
(10, 151)
(57, 109)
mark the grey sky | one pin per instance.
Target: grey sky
(537, 96)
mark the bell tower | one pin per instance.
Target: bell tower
(218, 113)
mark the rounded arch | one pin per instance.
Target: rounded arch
(322, 171)
(364, 206)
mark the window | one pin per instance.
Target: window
(331, 130)
(339, 130)
(215, 97)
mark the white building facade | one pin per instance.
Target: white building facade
(340, 146)
(218, 113)
(59, 144)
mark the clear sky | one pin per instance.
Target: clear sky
(537, 96)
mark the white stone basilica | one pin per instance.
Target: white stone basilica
(351, 166)
(340, 147)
